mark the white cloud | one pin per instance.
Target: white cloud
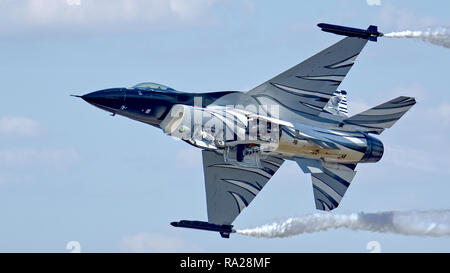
(152, 242)
(8, 178)
(19, 127)
(29, 157)
(412, 89)
(408, 157)
(49, 16)
(373, 2)
(440, 114)
(416, 158)
(73, 2)
(444, 111)
(400, 19)
(249, 5)
(189, 8)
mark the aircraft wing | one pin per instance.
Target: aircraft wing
(330, 181)
(306, 88)
(230, 188)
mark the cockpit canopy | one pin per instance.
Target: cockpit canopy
(152, 86)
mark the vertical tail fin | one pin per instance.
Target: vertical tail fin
(383, 116)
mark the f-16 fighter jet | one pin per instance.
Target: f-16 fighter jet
(245, 137)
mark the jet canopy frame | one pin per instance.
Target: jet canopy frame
(152, 86)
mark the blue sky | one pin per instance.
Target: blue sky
(71, 172)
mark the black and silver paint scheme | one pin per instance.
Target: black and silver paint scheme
(147, 102)
(305, 118)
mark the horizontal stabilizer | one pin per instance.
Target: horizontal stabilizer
(330, 181)
(383, 116)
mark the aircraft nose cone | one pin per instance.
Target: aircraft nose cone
(109, 99)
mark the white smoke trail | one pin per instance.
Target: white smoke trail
(439, 36)
(433, 223)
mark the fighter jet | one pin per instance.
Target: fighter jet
(245, 137)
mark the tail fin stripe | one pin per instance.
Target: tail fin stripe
(331, 78)
(312, 106)
(374, 122)
(330, 181)
(347, 62)
(327, 189)
(378, 117)
(394, 106)
(386, 111)
(300, 92)
(382, 125)
(318, 192)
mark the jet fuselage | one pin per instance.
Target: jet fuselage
(292, 141)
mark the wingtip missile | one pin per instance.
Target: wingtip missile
(371, 33)
(224, 230)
